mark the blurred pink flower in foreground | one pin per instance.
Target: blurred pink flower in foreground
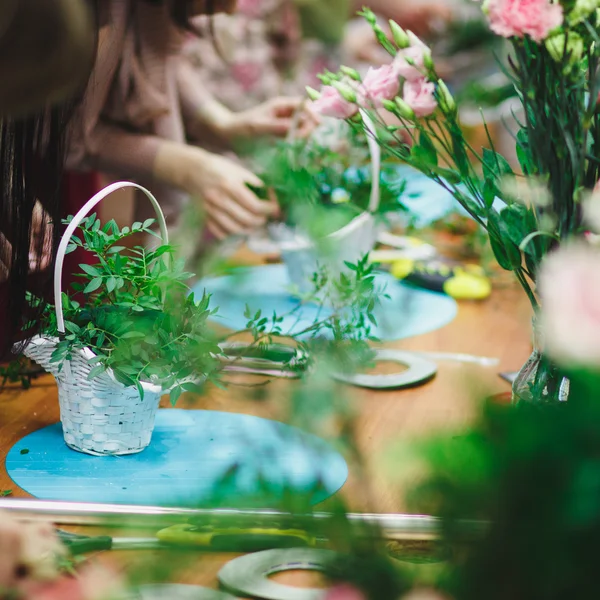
(517, 18)
(27, 551)
(569, 287)
(94, 582)
(344, 591)
(30, 556)
(591, 209)
(331, 104)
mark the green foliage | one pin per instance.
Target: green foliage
(533, 478)
(317, 185)
(136, 314)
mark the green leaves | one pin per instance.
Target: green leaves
(495, 165)
(93, 285)
(424, 155)
(137, 317)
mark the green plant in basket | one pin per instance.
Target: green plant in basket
(322, 186)
(134, 311)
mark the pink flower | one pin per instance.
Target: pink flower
(419, 95)
(410, 62)
(31, 547)
(380, 84)
(331, 104)
(569, 288)
(344, 591)
(94, 582)
(536, 18)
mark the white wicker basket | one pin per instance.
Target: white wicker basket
(303, 256)
(99, 416)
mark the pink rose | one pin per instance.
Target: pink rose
(419, 95)
(380, 84)
(569, 288)
(536, 18)
(331, 104)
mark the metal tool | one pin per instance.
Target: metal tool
(275, 360)
(389, 526)
(175, 591)
(83, 544)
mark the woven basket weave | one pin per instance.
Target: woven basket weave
(303, 257)
(99, 416)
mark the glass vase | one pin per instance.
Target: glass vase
(540, 381)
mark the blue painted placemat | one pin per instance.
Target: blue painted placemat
(426, 200)
(191, 452)
(409, 311)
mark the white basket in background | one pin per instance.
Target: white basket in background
(303, 256)
(99, 416)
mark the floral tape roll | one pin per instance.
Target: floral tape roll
(419, 371)
(249, 574)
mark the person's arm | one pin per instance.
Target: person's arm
(274, 117)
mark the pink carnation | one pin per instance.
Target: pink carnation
(331, 104)
(536, 18)
(381, 84)
(419, 95)
(410, 62)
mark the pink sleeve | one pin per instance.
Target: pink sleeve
(93, 143)
(192, 93)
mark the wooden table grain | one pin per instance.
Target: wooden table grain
(497, 327)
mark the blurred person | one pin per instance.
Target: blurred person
(270, 47)
(143, 95)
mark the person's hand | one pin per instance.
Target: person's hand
(276, 117)
(220, 184)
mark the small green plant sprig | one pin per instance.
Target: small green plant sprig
(135, 313)
(342, 329)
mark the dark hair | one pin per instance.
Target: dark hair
(181, 11)
(32, 156)
(31, 159)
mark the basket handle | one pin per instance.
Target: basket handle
(77, 219)
(375, 152)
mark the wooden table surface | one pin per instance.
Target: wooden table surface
(497, 327)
